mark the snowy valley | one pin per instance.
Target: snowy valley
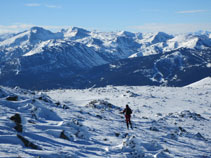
(169, 122)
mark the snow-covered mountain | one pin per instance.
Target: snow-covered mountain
(167, 122)
(41, 57)
(30, 37)
(75, 33)
(5, 36)
(116, 44)
(176, 68)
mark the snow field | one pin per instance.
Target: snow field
(174, 119)
(168, 122)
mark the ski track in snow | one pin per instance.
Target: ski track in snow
(168, 122)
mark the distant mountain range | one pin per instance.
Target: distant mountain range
(78, 58)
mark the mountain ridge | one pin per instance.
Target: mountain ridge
(71, 53)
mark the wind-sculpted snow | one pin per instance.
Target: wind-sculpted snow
(102, 105)
(41, 126)
(167, 122)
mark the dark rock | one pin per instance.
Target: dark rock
(98, 116)
(117, 134)
(41, 98)
(33, 101)
(12, 98)
(154, 129)
(65, 107)
(28, 143)
(63, 136)
(125, 135)
(182, 129)
(33, 93)
(159, 114)
(16, 118)
(173, 136)
(58, 103)
(31, 121)
(192, 115)
(144, 117)
(102, 105)
(199, 136)
(45, 99)
(18, 127)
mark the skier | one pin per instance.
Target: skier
(128, 113)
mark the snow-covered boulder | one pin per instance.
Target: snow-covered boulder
(102, 105)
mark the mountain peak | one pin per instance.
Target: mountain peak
(201, 32)
(31, 37)
(163, 34)
(75, 32)
(37, 28)
(126, 33)
(161, 37)
(37, 34)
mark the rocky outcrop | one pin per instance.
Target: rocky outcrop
(17, 119)
(27, 143)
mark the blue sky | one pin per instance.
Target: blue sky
(171, 16)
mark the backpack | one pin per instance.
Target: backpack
(128, 111)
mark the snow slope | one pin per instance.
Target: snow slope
(204, 83)
(168, 122)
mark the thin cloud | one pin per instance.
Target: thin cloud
(171, 28)
(191, 11)
(53, 6)
(21, 27)
(153, 27)
(33, 5)
(39, 5)
(14, 28)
